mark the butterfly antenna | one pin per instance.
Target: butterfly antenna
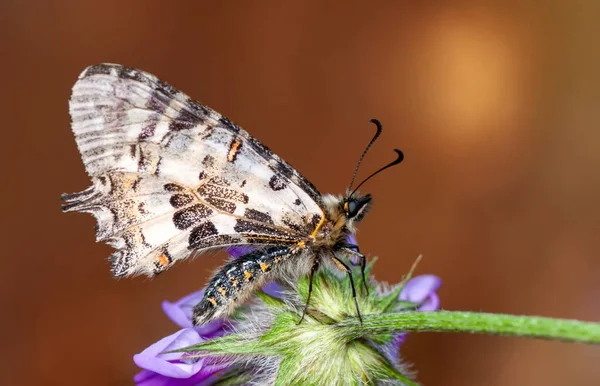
(395, 162)
(377, 134)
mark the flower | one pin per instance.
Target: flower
(266, 337)
(172, 369)
(180, 312)
(422, 290)
(175, 369)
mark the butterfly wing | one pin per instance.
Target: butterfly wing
(171, 176)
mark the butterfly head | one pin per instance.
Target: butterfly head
(356, 206)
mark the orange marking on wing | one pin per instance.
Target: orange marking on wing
(264, 267)
(163, 260)
(247, 275)
(212, 300)
(235, 146)
(222, 291)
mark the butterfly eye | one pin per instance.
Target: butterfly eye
(356, 207)
(351, 208)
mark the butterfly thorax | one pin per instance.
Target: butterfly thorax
(342, 214)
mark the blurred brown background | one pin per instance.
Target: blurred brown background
(495, 106)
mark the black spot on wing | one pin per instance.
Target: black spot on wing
(200, 234)
(208, 161)
(142, 208)
(147, 131)
(185, 120)
(257, 215)
(220, 180)
(280, 166)
(135, 75)
(187, 217)
(277, 183)
(159, 100)
(133, 150)
(180, 200)
(292, 225)
(179, 125)
(220, 204)
(209, 190)
(170, 187)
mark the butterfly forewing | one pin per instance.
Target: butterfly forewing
(171, 176)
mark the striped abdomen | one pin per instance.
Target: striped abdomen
(236, 281)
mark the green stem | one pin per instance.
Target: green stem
(475, 323)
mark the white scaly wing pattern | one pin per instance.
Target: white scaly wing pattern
(171, 177)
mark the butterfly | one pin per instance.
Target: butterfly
(172, 178)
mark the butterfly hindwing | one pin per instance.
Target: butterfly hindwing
(171, 176)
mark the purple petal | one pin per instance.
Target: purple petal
(212, 329)
(431, 304)
(239, 250)
(169, 364)
(150, 378)
(273, 289)
(351, 239)
(180, 312)
(422, 289)
(395, 344)
(354, 259)
(399, 339)
(202, 378)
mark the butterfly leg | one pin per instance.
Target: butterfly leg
(354, 250)
(314, 267)
(363, 266)
(341, 265)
